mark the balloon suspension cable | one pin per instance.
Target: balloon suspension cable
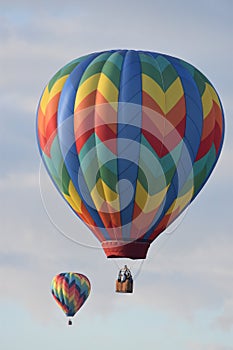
(59, 230)
(138, 271)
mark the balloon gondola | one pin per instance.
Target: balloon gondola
(124, 282)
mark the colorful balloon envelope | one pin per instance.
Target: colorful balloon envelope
(129, 139)
(70, 290)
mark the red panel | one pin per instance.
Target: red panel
(122, 249)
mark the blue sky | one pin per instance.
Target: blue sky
(183, 292)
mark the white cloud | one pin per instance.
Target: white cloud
(18, 182)
(225, 319)
(209, 346)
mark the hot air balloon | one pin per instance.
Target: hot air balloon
(129, 139)
(70, 290)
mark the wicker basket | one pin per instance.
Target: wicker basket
(124, 287)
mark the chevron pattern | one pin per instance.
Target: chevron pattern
(129, 139)
(70, 290)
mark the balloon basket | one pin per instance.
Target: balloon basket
(69, 323)
(124, 287)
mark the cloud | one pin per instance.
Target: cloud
(187, 280)
(209, 346)
(70, 31)
(225, 319)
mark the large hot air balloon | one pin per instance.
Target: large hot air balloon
(129, 139)
(70, 290)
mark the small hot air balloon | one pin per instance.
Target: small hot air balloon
(70, 290)
(129, 139)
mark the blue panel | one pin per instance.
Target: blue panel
(128, 190)
(193, 103)
(67, 99)
(150, 53)
(130, 85)
(191, 134)
(192, 138)
(65, 122)
(129, 132)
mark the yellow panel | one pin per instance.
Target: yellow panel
(101, 193)
(213, 94)
(181, 202)
(107, 88)
(146, 202)
(97, 195)
(73, 298)
(207, 101)
(71, 203)
(173, 95)
(154, 90)
(44, 99)
(86, 88)
(58, 287)
(111, 196)
(75, 197)
(57, 87)
(141, 195)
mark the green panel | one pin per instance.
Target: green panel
(116, 59)
(57, 169)
(95, 67)
(105, 155)
(65, 180)
(203, 167)
(92, 70)
(211, 158)
(112, 72)
(87, 147)
(200, 82)
(169, 76)
(153, 72)
(142, 179)
(162, 63)
(109, 177)
(168, 162)
(186, 188)
(154, 176)
(66, 70)
(90, 171)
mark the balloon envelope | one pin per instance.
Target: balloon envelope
(70, 290)
(129, 139)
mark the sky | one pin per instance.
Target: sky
(183, 291)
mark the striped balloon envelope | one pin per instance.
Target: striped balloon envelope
(70, 290)
(129, 139)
